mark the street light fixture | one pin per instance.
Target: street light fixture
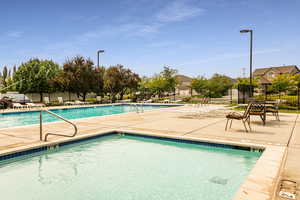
(98, 52)
(251, 44)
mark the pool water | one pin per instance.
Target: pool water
(26, 118)
(126, 167)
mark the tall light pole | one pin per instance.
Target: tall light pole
(98, 52)
(251, 44)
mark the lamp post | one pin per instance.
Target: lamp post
(251, 44)
(98, 52)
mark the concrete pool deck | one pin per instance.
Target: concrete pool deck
(181, 123)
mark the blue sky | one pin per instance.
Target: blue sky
(194, 36)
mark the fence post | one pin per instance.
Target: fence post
(298, 96)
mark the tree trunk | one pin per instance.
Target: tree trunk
(121, 95)
(113, 98)
(41, 97)
(83, 96)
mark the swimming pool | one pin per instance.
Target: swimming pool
(26, 118)
(123, 167)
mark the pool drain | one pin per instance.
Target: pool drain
(218, 180)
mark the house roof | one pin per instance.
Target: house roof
(184, 82)
(264, 80)
(183, 78)
(293, 69)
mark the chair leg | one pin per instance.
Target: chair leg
(277, 115)
(249, 124)
(226, 125)
(245, 125)
(263, 119)
(230, 123)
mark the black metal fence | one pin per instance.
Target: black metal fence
(289, 99)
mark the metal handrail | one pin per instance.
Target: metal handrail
(59, 117)
(137, 108)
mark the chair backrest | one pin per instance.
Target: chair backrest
(247, 111)
(60, 99)
(278, 101)
(46, 100)
(258, 106)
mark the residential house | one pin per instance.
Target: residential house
(265, 75)
(183, 88)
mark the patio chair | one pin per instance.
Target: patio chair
(245, 117)
(18, 105)
(274, 110)
(259, 108)
(79, 102)
(60, 100)
(33, 105)
(98, 99)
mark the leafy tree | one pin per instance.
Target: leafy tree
(199, 84)
(157, 85)
(34, 76)
(119, 80)
(99, 81)
(112, 81)
(246, 81)
(164, 82)
(79, 75)
(4, 76)
(170, 80)
(143, 88)
(296, 80)
(281, 83)
(218, 85)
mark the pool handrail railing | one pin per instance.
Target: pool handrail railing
(59, 117)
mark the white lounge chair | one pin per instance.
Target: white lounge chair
(33, 105)
(60, 100)
(18, 105)
(69, 103)
(79, 102)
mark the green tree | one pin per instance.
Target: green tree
(4, 76)
(34, 76)
(170, 80)
(99, 81)
(119, 80)
(281, 84)
(218, 85)
(296, 80)
(79, 74)
(246, 81)
(199, 84)
(157, 85)
(112, 81)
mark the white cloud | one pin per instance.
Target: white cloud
(15, 34)
(126, 29)
(178, 11)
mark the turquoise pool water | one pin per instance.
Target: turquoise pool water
(127, 168)
(26, 118)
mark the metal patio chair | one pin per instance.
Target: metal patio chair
(245, 117)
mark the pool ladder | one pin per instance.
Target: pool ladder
(136, 107)
(59, 117)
